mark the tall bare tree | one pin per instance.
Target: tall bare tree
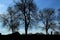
(27, 7)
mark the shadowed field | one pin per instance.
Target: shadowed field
(17, 36)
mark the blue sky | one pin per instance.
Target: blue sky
(48, 3)
(4, 4)
(40, 4)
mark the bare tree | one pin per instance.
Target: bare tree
(27, 7)
(11, 19)
(46, 16)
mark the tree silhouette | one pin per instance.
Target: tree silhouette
(58, 19)
(46, 16)
(27, 7)
(11, 19)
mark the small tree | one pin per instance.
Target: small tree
(46, 16)
(11, 19)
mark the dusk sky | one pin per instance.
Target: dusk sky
(40, 5)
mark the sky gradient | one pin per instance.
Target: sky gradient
(40, 5)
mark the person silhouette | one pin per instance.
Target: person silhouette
(0, 33)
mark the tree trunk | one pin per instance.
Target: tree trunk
(25, 18)
(46, 31)
(46, 26)
(25, 30)
(13, 30)
(25, 26)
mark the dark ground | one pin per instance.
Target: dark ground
(17, 36)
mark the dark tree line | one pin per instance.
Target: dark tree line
(26, 10)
